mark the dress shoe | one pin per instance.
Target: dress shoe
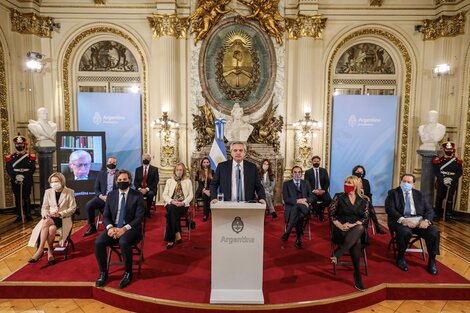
(179, 241)
(126, 279)
(358, 282)
(298, 244)
(18, 219)
(380, 229)
(432, 267)
(401, 263)
(90, 231)
(204, 218)
(285, 237)
(274, 215)
(51, 260)
(102, 279)
(170, 245)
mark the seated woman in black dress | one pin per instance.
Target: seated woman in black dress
(57, 209)
(178, 194)
(349, 215)
(204, 178)
(360, 172)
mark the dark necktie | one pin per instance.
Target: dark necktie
(297, 186)
(144, 180)
(317, 180)
(239, 183)
(122, 210)
(407, 204)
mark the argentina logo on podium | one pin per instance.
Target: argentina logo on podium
(237, 225)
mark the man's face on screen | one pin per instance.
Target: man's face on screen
(80, 167)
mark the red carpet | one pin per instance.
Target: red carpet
(290, 275)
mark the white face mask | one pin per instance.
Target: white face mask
(265, 167)
(56, 186)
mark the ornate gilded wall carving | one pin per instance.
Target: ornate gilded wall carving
(305, 26)
(237, 66)
(406, 99)
(31, 23)
(206, 15)
(169, 25)
(108, 56)
(365, 58)
(4, 122)
(266, 131)
(375, 3)
(204, 124)
(439, 2)
(66, 75)
(444, 26)
(466, 157)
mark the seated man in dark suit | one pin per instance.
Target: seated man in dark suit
(104, 184)
(122, 218)
(319, 180)
(146, 181)
(238, 179)
(402, 204)
(297, 195)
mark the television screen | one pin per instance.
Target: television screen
(80, 157)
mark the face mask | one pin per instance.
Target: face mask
(19, 148)
(205, 165)
(111, 166)
(123, 185)
(56, 186)
(348, 188)
(359, 175)
(179, 174)
(315, 165)
(146, 162)
(265, 167)
(448, 153)
(406, 186)
(297, 177)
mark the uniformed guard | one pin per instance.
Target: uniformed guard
(20, 166)
(447, 169)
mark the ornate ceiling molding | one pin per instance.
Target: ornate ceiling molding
(375, 3)
(305, 26)
(439, 2)
(31, 23)
(444, 26)
(169, 25)
(100, 2)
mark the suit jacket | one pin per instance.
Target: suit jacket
(324, 178)
(395, 205)
(152, 178)
(223, 179)
(169, 190)
(101, 183)
(66, 208)
(289, 193)
(92, 175)
(134, 209)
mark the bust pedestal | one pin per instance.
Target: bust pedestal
(427, 175)
(45, 167)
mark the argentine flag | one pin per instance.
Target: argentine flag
(218, 152)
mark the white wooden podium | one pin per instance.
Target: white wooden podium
(237, 253)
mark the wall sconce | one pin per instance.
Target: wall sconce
(164, 124)
(307, 124)
(441, 70)
(34, 62)
(167, 130)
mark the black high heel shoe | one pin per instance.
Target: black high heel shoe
(32, 260)
(51, 260)
(358, 282)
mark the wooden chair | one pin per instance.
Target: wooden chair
(411, 245)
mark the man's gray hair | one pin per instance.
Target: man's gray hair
(238, 143)
(78, 154)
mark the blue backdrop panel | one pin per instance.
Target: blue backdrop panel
(363, 133)
(119, 115)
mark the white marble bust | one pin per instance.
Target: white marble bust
(43, 129)
(238, 127)
(431, 133)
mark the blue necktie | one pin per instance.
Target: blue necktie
(239, 183)
(122, 210)
(407, 204)
(317, 181)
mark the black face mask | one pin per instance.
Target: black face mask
(146, 162)
(316, 165)
(111, 166)
(123, 185)
(448, 153)
(19, 148)
(359, 175)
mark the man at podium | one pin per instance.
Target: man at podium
(237, 179)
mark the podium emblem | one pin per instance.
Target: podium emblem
(237, 224)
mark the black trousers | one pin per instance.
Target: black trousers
(403, 236)
(148, 201)
(325, 201)
(207, 204)
(441, 196)
(125, 243)
(92, 205)
(173, 214)
(295, 217)
(26, 198)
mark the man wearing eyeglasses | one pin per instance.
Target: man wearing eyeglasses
(80, 164)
